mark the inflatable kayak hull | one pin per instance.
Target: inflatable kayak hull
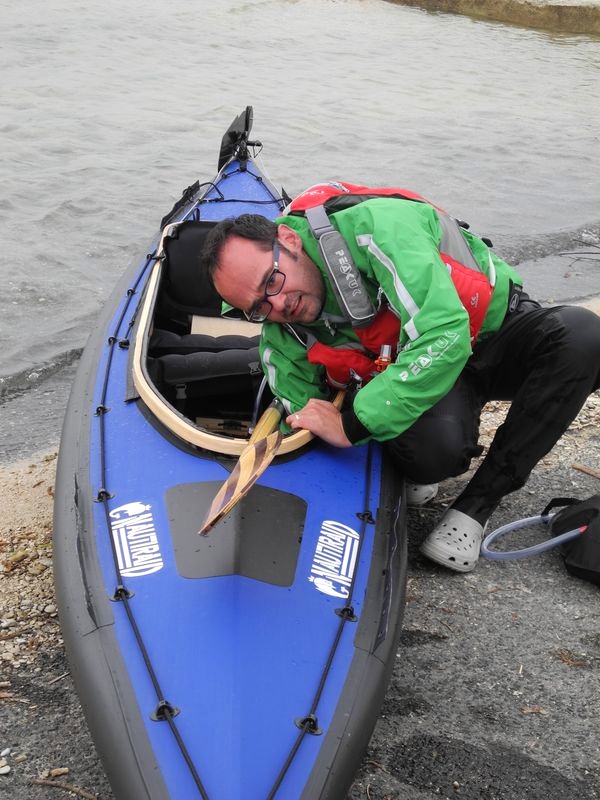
(250, 663)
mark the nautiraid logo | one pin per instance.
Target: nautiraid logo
(334, 560)
(136, 542)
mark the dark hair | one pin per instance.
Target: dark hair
(248, 226)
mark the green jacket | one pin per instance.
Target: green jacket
(394, 244)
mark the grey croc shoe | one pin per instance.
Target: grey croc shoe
(455, 542)
(417, 494)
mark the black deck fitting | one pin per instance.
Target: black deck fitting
(121, 593)
(346, 613)
(309, 724)
(366, 516)
(163, 711)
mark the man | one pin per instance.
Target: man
(453, 346)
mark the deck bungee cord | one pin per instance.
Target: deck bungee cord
(195, 213)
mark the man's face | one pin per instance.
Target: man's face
(244, 269)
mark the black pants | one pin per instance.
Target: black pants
(547, 362)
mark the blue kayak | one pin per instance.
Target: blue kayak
(250, 663)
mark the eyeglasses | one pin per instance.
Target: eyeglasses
(261, 310)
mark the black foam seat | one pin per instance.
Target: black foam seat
(187, 290)
(208, 368)
(224, 359)
(167, 342)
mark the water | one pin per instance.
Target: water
(109, 110)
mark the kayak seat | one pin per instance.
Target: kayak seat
(217, 390)
(219, 352)
(185, 290)
(207, 366)
(164, 343)
(217, 373)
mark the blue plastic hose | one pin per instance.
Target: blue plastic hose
(525, 552)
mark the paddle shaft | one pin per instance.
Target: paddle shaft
(268, 422)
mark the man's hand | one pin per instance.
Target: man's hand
(323, 420)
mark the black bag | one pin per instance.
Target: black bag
(581, 555)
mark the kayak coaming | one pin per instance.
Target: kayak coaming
(118, 698)
(164, 412)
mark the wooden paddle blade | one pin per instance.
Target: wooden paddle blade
(252, 463)
(253, 460)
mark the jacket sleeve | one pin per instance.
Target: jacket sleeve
(398, 249)
(291, 377)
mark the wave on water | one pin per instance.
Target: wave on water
(85, 207)
(21, 382)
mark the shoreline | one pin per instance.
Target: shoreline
(568, 16)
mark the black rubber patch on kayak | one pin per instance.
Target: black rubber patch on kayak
(259, 539)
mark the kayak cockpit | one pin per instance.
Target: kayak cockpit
(197, 371)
